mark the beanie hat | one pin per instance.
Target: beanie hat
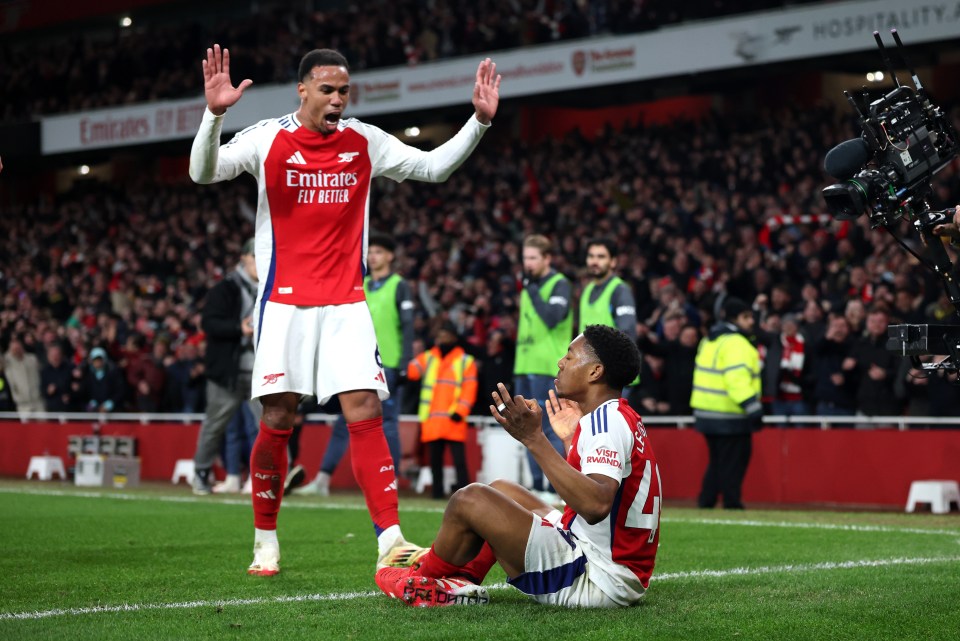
(733, 307)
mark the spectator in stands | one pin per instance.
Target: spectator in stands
(856, 314)
(96, 230)
(906, 307)
(228, 324)
(678, 349)
(448, 390)
(496, 364)
(648, 396)
(103, 386)
(23, 374)
(185, 381)
(150, 378)
(56, 381)
(785, 367)
(6, 398)
(875, 368)
(812, 323)
(834, 389)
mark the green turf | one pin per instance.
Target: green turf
(180, 562)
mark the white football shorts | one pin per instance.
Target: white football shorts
(556, 572)
(316, 351)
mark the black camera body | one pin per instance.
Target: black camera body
(887, 174)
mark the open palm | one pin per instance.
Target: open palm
(217, 86)
(564, 415)
(486, 91)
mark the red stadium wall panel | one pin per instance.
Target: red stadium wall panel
(797, 466)
(160, 445)
(540, 122)
(789, 466)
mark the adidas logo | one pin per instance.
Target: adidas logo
(267, 494)
(296, 159)
(392, 487)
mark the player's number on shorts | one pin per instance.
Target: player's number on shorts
(636, 517)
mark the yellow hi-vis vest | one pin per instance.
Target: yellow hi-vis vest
(727, 373)
(449, 384)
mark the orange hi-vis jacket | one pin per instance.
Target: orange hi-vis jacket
(449, 385)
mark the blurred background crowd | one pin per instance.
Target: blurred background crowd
(103, 285)
(69, 72)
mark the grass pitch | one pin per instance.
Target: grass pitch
(158, 563)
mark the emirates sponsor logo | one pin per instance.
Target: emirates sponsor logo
(270, 379)
(321, 179)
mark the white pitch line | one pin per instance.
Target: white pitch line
(345, 596)
(206, 500)
(847, 527)
(183, 605)
(805, 567)
(326, 505)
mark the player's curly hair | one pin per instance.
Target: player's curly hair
(616, 352)
(321, 58)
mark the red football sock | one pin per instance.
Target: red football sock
(373, 470)
(434, 567)
(268, 469)
(477, 569)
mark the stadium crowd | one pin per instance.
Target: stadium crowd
(156, 59)
(698, 211)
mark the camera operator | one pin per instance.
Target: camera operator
(950, 230)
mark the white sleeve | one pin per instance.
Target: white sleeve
(212, 162)
(394, 159)
(605, 444)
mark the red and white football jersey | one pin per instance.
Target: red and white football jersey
(314, 196)
(612, 441)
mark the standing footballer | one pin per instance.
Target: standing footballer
(313, 331)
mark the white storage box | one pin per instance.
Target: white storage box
(96, 470)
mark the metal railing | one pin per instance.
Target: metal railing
(680, 422)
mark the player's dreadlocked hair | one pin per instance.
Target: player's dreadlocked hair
(616, 352)
(321, 58)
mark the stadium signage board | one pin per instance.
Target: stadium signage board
(738, 41)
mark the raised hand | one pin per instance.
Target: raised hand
(217, 86)
(564, 415)
(951, 229)
(486, 91)
(519, 416)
